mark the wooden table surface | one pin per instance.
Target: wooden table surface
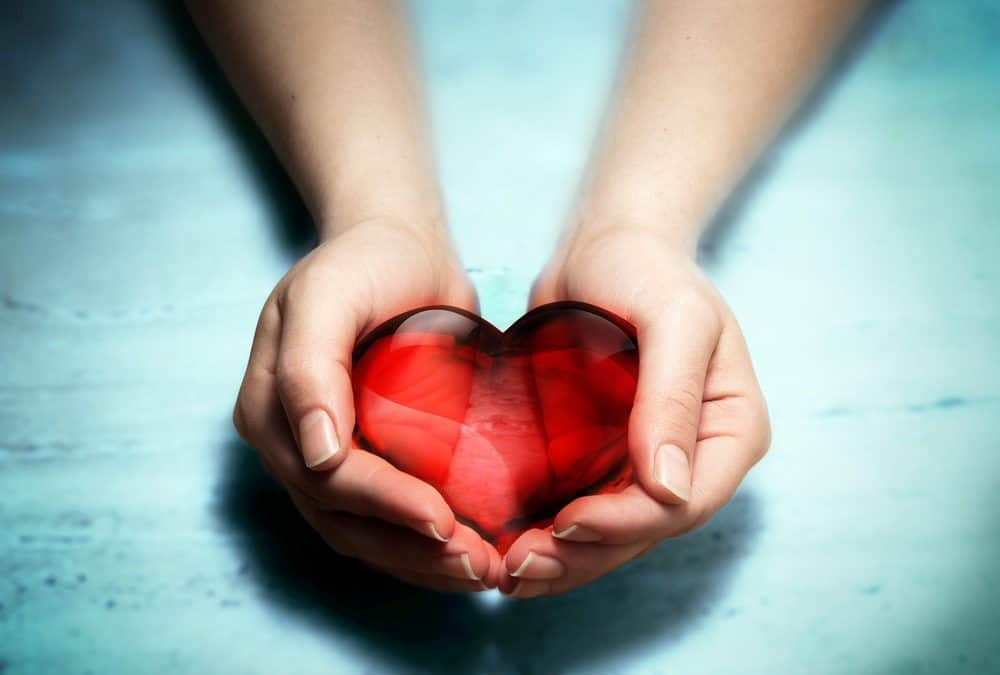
(142, 223)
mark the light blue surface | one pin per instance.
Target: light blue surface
(141, 227)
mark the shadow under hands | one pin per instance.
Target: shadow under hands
(656, 598)
(298, 572)
(731, 212)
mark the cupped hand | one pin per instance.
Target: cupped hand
(296, 407)
(699, 421)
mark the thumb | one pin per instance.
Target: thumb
(313, 377)
(663, 428)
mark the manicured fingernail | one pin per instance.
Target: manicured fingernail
(433, 533)
(455, 566)
(537, 566)
(577, 533)
(317, 438)
(672, 470)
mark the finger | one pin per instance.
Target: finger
(258, 415)
(497, 569)
(675, 352)
(491, 579)
(722, 459)
(734, 403)
(367, 485)
(318, 330)
(364, 484)
(538, 564)
(260, 371)
(317, 519)
(622, 518)
(465, 556)
(735, 432)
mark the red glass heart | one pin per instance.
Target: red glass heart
(508, 426)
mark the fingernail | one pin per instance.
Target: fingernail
(317, 438)
(433, 533)
(673, 471)
(455, 566)
(537, 566)
(577, 533)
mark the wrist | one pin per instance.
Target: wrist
(425, 236)
(635, 205)
(596, 224)
(429, 228)
(374, 189)
(416, 214)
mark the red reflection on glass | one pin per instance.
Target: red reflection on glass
(508, 426)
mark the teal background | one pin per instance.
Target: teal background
(142, 224)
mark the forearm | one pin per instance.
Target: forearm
(706, 86)
(331, 85)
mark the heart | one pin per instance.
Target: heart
(508, 426)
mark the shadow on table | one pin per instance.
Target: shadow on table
(653, 599)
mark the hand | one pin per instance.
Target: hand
(699, 421)
(296, 403)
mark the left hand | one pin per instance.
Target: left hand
(699, 421)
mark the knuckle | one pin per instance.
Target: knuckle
(239, 419)
(286, 372)
(685, 397)
(692, 304)
(292, 376)
(299, 285)
(693, 307)
(243, 421)
(680, 407)
(269, 314)
(687, 301)
(762, 434)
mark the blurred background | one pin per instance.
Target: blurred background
(143, 222)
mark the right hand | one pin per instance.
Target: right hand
(296, 404)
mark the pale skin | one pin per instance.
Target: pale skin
(705, 87)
